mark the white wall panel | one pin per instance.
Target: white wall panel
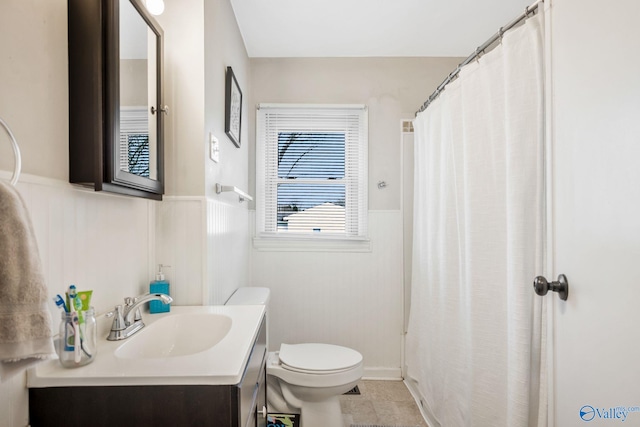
(181, 244)
(352, 299)
(228, 243)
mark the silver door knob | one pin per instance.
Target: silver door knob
(561, 286)
(164, 109)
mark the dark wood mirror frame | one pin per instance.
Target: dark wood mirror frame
(94, 99)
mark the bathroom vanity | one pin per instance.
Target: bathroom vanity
(223, 386)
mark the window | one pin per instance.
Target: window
(311, 171)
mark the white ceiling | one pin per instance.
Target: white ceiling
(352, 28)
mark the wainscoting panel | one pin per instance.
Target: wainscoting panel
(228, 249)
(345, 298)
(181, 245)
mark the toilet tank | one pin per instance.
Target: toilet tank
(250, 296)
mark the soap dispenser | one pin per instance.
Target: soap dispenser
(161, 286)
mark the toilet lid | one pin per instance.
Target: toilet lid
(318, 357)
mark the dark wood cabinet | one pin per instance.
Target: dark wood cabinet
(116, 114)
(238, 405)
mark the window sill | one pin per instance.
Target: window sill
(310, 244)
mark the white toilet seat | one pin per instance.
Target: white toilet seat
(310, 372)
(314, 358)
(309, 378)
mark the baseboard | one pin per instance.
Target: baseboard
(382, 374)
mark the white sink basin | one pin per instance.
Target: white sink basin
(177, 335)
(189, 345)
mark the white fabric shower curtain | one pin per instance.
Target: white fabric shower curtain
(476, 336)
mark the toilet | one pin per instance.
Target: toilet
(306, 378)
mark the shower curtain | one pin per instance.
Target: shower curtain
(476, 336)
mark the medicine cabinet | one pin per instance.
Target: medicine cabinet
(116, 114)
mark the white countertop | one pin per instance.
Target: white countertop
(222, 364)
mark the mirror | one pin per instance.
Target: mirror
(115, 94)
(138, 143)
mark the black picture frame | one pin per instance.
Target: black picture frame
(233, 108)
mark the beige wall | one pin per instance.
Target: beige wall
(133, 82)
(392, 88)
(201, 40)
(224, 48)
(33, 85)
(183, 27)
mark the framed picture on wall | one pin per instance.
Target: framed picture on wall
(233, 108)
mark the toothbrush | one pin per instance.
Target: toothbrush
(60, 303)
(77, 342)
(68, 330)
(78, 306)
(75, 303)
(71, 293)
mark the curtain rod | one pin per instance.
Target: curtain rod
(528, 11)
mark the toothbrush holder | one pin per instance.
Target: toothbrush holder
(76, 343)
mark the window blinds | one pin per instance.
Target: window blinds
(312, 170)
(134, 140)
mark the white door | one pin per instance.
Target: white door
(596, 210)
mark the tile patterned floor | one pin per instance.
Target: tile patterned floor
(381, 402)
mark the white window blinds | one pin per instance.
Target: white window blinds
(311, 170)
(134, 140)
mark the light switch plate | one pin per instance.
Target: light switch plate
(214, 148)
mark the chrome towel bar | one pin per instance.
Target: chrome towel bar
(242, 196)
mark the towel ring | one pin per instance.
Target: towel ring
(16, 153)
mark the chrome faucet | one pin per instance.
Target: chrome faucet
(127, 320)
